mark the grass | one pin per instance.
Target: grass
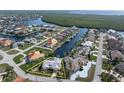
(18, 59)
(12, 52)
(107, 65)
(5, 48)
(46, 73)
(90, 75)
(11, 75)
(37, 49)
(1, 57)
(95, 49)
(24, 46)
(3, 67)
(93, 58)
(105, 77)
(28, 65)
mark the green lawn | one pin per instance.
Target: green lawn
(5, 48)
(18, 59)
(93, 58)
(105, 77)
(10, 76)
(4, 67)
(12, 52)
(46, 73)
(35, 49)
(26, 45)
(47, 52)
(30, 64)
(107, 65)
(90, 75)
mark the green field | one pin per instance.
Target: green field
(18, 59)
(90, 21)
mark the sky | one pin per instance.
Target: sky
(61, 4)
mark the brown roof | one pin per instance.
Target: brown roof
(5, 42)
(19, 79)
(35, 55)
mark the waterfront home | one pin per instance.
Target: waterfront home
(74, 64)
(83, 50)
(120, 68)
(113, 33)
(5, 42)
(59, 37)
(87, 43)
(74, 28)
(20, 29)
(91, 31)
(116, 54)
(52, 42)
(91, 38)
(114, 44)
(53, 63)
(30, 40)
(35, 55)
(112, 37)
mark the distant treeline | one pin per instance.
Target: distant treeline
(89, 21)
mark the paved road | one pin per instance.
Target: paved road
(9, 60)
(98, 69)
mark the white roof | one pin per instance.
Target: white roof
(111, 30)
(54, 64)
(88, 43)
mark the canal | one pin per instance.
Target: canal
(69, 45)
(60, 52)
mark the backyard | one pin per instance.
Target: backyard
(90, 75)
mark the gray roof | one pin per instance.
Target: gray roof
(120, 67)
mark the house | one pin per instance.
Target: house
(35, 55)
(51, 42)
(91, 38)
(74, 64)
(59, 37)
(31, 40)
(20, 29)
(83, 50)
(5, 42)
(87, 43)
(120, 68)
(54, 63)
(115, 54)
(91, 31)
(114, 44)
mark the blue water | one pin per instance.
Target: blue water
(37, 21)
(97, 12)
(68, 46)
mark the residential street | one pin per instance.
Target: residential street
(99, 60)
(9, 60)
